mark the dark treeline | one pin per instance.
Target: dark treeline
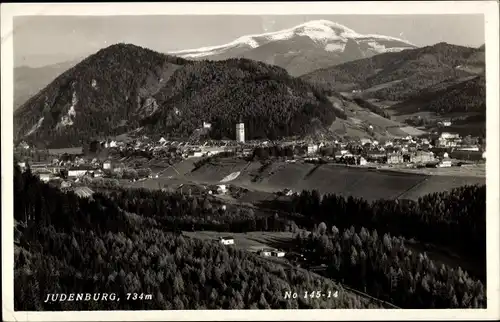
(454, 219)
(66, 244)
(385, 268)
(177, 211)
(444, 98)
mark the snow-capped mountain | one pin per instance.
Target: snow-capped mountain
(301, 49)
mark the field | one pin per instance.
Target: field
(360, 119)
(251, 241)
(468, 171)
(346, 181)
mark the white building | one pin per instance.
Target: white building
(207, 125)
(106, 165)
(278, 253)
(65, 184)
(312, 148)
(240, 132)
(266, 252)
(221, 189)
(195, 154)
(113, 144)
(77, 172)
(45, 176)
(469, 148)
(447, 135)
(446, 163)
(362, 161)
(226, 240)
(365, 141)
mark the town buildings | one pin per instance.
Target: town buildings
(422, 157)
(447, 139)
(312, 148)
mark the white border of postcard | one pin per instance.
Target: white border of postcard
(490, 9)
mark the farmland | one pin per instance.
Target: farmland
(331, 179)
(359, 120)
(250, 241)
(263, 181)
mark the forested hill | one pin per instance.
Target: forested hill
(66, 244)
(401, 75)
(125, 242)
(464, 96)
(123, 87)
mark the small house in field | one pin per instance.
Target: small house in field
(226, 240)
(106, 165)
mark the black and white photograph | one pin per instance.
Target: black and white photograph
(214, 160)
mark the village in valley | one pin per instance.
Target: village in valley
(131, 161)
(305, 166)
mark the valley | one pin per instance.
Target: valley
(308, 158)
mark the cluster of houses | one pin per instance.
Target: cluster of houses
(69, 170)
(362, 152)
(403, 151)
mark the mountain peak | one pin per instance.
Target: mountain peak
(303, 48)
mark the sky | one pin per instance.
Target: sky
(45, 40)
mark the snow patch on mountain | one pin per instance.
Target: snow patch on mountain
(335, 47)
(326, 33)
(35, 127)
(383, 49)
